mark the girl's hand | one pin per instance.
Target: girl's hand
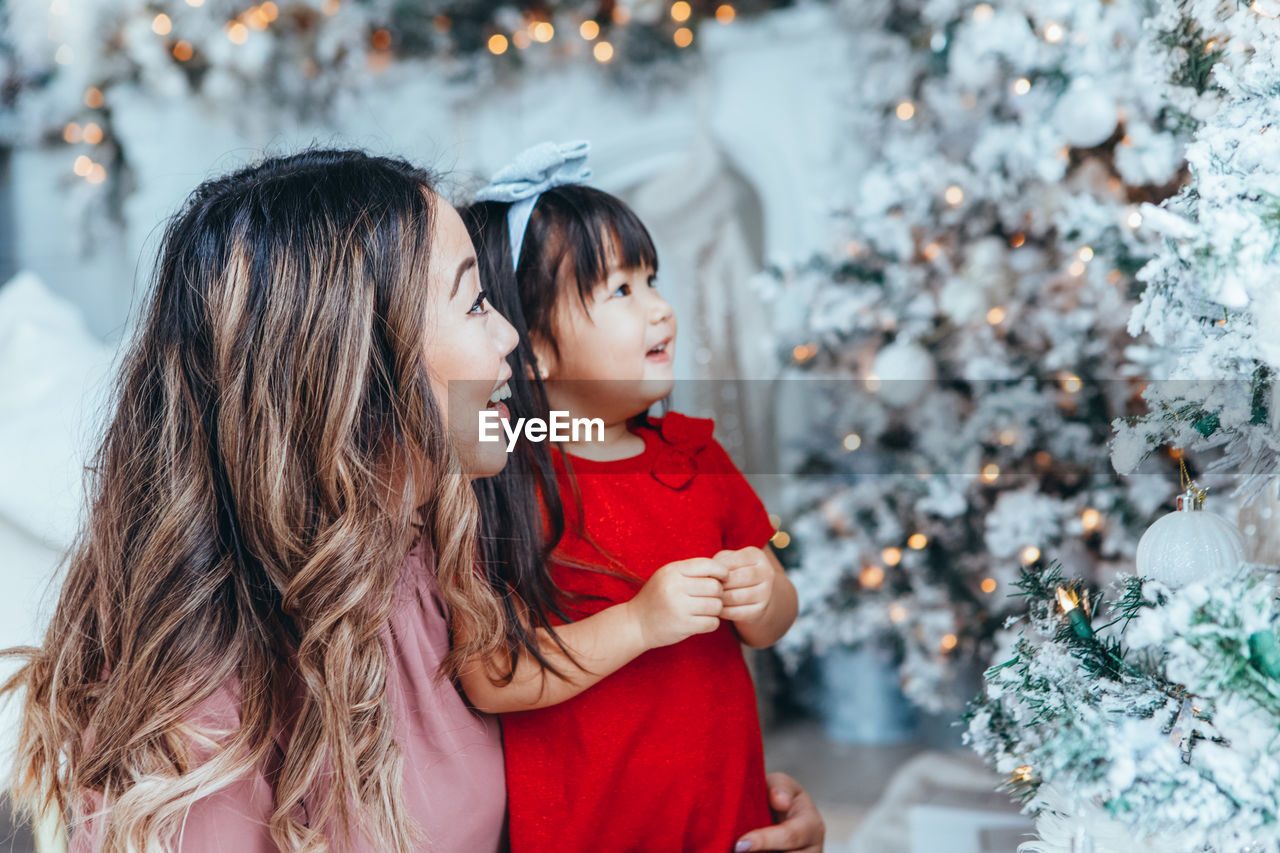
(681, 599)
(759, 598)
(749, 587)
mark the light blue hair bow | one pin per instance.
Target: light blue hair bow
(532, 173)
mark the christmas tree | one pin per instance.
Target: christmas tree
(1150, 724)
(975, 301)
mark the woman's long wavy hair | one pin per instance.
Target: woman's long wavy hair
(250, 508)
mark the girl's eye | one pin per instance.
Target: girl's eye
(653, 282)
(477, 307)
(622, 290)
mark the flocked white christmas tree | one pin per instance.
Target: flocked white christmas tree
(1150, 723)
(973, 307)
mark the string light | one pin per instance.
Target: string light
(497, 44)
(680, 11)
(897, 613)
(270, 11)
(1076, 269)
(72, 134)
(801, 353)
(589, 30)
(521, 39)
(1069, 601)
(1008, 437)
(1053, 32)
(983, 13)
(82, 166)
(543, 32)
(237, 32)
(725, 13)
(954, 195)
(92, 133)
(917, 541)
(891, 556)
(781, 539)
(1091, 519)
(683, 37)
(990, 472)
(931, 251)
(621, 14)
(871, 577)
(872, 382)
(256, 18)
(182, 51)
(906, 110)
(381, 39)
(996, 316)
(1043, 458)
(775, 521)
(1030, 554)
(97, 174)
(161, 25)
(195, 4)
(1134, 219)
(603, 51)
(948, 642)
(1071, 383)
(1021, 86)
(93, 97)
(988, 585)
(1085, 254)
(852, 442)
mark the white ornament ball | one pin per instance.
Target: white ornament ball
(905, 371)
(1189, 545)
(1085, 115)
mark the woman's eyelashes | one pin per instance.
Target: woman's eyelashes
(478, 307)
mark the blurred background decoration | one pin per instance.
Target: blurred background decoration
(927, 256)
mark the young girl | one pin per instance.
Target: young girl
(636, 727)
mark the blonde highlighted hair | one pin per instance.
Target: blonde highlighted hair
(250, 507)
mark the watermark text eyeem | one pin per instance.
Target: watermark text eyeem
(560, 427)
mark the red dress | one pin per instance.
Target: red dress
(665, 754)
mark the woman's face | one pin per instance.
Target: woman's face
(467, 345)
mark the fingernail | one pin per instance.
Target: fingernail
(743, 846)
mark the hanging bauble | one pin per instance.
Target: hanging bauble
(1085, 115)
(1190, 545)
(905, 370)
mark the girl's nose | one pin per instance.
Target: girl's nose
(660, 310)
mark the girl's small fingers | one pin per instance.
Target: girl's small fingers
(744, 576)
(707, 607)
(704, 588)
(705, 624)
(743, 595)
(740, 612)
(705, 568)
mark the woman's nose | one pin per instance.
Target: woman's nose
(505, 336)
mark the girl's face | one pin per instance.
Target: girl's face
(467, 345)
(618, 352)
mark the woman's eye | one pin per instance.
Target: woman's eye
(477, 307)
(653, 282)
(622, 290)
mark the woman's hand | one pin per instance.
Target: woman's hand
(800, 829)
(680, 599)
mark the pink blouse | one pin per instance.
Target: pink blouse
(453, 772)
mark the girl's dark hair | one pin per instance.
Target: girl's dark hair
(575, 235)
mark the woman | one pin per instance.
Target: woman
(242, 656)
